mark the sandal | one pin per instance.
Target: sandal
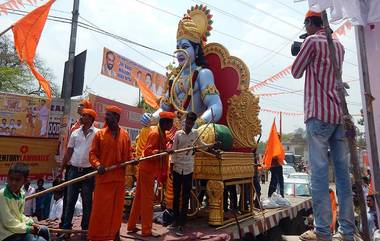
(309, 235)
(135, 230)
(154, 235)
(339, 237)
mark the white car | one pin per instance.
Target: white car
(300, 175)
(287, 170)
(297, 187)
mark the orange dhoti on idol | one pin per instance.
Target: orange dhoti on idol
(149, 169)
(108, 204)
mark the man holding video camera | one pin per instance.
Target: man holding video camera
(323, 118)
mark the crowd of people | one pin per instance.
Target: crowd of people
(102, 197)
(90, 148)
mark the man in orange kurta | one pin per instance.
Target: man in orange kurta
(148, 169)
(111, 145)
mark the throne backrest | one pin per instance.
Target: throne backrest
(240, 106)
(231, 75)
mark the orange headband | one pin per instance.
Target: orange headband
(115, 109)
(167, 115)
(90, 112)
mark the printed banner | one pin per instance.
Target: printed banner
(38, 153)
(127, 71)
(129, 119)
(55, 118)
(23, 115)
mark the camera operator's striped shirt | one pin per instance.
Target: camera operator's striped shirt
(321, 99)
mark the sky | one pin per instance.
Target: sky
(247, 28)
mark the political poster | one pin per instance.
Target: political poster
(38, 153)
(23, 115)
(127, 71)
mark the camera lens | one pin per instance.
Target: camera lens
(296, 47)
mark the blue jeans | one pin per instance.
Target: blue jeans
(321, 136)
(86, 188)
(44, 236)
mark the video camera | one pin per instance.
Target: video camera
(296, 46)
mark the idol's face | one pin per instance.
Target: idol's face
(185, 44)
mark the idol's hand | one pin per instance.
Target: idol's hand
(145, 119)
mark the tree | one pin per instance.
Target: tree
(147, 108)
(15, 77)
(360, 140)
(297, 139)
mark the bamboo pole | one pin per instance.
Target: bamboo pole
(369, 113)
(68, 231)
(6, 30)
(350, 130)
(123, 164)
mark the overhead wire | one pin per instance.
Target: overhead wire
(127, 45)
(289, 7)
(216, 30)
(269, 14)
(303, 14)
(94, 28)
(227, 34)
(228, 14)
(270, 56)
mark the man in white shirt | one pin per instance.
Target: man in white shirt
(56, 205)
(43, 114)
(30, 205)
(182, 167)
(77, 164)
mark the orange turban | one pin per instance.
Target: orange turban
(312, 14)
(86, 103)
(90, 112)
(167, 115)
(115, 109)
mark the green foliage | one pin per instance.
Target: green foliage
(145, 106)
(15, 77)
(261, 147)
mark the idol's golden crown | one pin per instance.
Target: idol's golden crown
(188, 29)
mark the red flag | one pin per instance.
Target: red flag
(273, 148)
(27, 32)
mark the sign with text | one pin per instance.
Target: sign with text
(55, 117)
(130, 117)
(38, 153)
(23, 115)
(127, 71)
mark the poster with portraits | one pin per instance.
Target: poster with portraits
(127, 71)
(23, 115)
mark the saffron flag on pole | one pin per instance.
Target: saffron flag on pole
(273, 148)
(149, 97)
(27, 32)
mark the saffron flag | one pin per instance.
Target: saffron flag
(149, 97)
(27, 32)
(273, 148)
